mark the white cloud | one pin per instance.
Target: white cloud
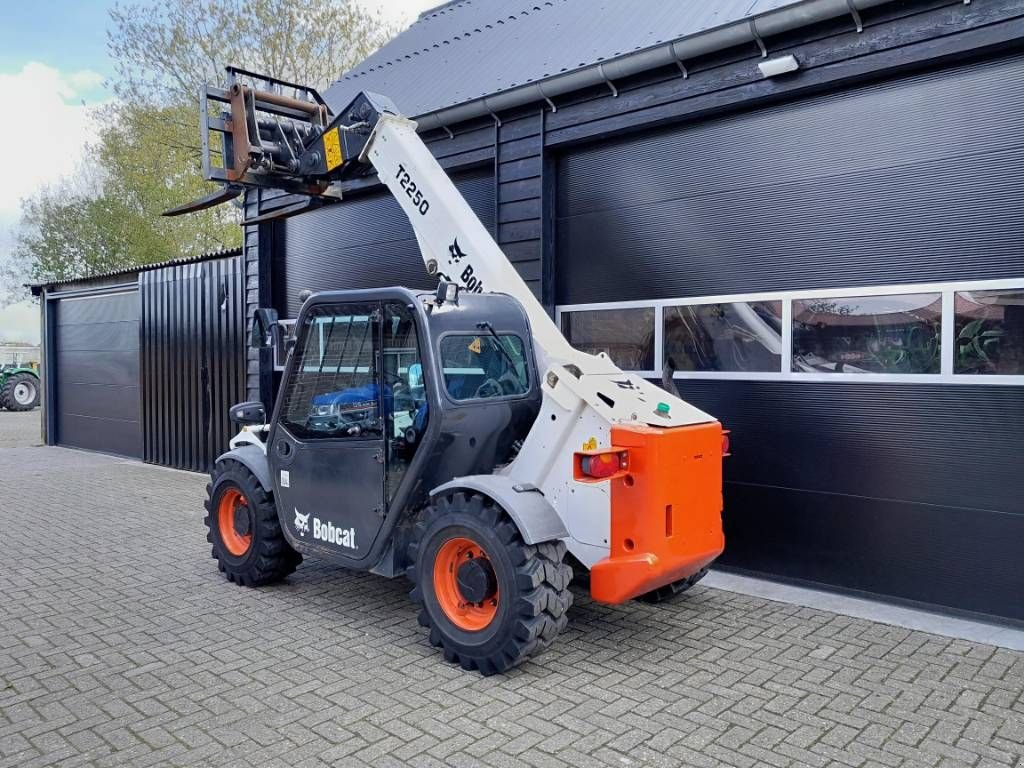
(43, 143)
(20, 322)
(47, 139)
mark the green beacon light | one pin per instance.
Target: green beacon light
(663, 409)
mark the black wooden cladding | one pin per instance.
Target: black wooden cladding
(193, 360)
(367, 242)
(913, 491)
(915, 180)
(96, 373)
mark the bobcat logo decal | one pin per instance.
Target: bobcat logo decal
(456, 252)
(301, 523)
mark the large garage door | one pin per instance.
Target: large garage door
(919, 179)
(902, 488)
(96, 373)
(365, 242)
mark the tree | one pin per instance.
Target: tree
(165, 54)
(147, 158)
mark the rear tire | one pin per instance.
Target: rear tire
(527, 597)
(243, 528)
(670, 591)
(20, 392)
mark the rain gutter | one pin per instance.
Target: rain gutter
(675, 53)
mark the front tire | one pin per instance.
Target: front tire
(20, 392)
(489, 599)
(243, 528)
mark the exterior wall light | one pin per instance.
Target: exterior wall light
(779, 66)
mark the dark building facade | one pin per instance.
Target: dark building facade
(831, 260)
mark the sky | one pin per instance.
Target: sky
(54, 65)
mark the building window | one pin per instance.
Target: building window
(741, 336)
(898, 334)
(625, 335)
(989, 332)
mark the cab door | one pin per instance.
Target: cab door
(326, 446)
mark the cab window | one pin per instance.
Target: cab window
(484, 366)
(334, 391)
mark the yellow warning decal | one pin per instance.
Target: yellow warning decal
(332, 149)
(474, 346)
(590, 445)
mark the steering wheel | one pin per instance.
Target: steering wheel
(490, 388)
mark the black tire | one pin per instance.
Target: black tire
(269, 557)
(669, 591)
(532, 583)
(7, 393)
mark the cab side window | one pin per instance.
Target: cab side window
(334, 390)
(484, 366)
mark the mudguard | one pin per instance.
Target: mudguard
(255, 460)
(533, 515)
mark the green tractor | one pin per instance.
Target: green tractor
(19, 387)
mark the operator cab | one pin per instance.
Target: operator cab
(393, 392)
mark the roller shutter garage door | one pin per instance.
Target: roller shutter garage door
(96, 373)
(364, 242)
(911, 490)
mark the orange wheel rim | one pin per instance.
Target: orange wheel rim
(471, 617)
(236, 543)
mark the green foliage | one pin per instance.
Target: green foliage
(977, 347)
(163, 53)
(912, 348)
(147, 158)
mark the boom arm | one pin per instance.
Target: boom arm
(454, 243)
(457, 247)
(289, 141)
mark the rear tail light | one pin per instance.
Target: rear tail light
(725, 443)
(601, 466)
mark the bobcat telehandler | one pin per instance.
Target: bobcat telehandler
(453, 437)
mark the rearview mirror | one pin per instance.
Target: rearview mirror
(265, 329)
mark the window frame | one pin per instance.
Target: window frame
(947, 290)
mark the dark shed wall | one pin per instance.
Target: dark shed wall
(193, 360)
(366, 242)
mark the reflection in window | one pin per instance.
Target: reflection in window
(989, 332)
(743, 336)
(484, 366)
(625, 335)
(868, 334)
(334, 391)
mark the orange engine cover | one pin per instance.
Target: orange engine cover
(666, 512)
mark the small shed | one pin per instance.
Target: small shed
(145, 362)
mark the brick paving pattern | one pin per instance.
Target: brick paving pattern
(120, 644)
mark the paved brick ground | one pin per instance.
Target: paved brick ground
(120, 644)
(19, 428)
